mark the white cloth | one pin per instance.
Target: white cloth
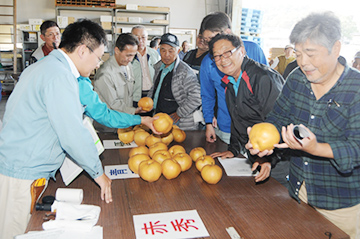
(74, 217)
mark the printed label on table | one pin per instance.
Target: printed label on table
(237, 167)
(180, 224)
(120, 172)
(117, 144)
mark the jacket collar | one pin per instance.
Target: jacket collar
(147, 55)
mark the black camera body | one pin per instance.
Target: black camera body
(47, 201)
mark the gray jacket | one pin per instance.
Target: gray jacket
(186, 90)
(114, 85)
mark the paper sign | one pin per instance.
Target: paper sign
(180, 224)
(120, 172)
(70, 170)
(117, 144)
(237, 166)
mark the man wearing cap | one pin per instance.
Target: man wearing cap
(176, 90)
(356, 62)
(280, 62)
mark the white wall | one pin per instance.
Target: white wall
(183, 13)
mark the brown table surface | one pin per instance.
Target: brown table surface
(255, 210)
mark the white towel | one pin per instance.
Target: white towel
(75, 217)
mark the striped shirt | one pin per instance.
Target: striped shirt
(334, 119)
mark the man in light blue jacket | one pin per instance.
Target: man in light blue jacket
(43, 120)
(143, 64)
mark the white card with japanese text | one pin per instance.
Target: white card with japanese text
(117, 144)
(119, 172)
(237, 167)
(179, 224)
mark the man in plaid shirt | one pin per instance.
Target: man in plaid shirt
(323, 95)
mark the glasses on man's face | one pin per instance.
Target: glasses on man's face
(53, 34)
(142, 38)
(225, 55)
(100, 60)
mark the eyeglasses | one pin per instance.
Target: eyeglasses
(100, 60)
(201, 38)
(225, 55)
(53, 34)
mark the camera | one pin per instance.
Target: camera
(47, 201)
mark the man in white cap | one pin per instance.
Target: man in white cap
(356, 61)
(280, 62)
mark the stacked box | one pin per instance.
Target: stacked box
(251, 25)
(86, 3)
(106, 22)
(275, 51)
(64, 21)
(35, 24)
(251, 21)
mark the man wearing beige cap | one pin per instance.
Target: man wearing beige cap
(280, 62)
(356, 61)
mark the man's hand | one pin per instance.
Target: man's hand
(309, 144)
(139, 110)
(148, 121)
(214, 122)
(225, 154)
(175, 117)
(264, 171)
(210, 133)
(257, 152)
(105, 184)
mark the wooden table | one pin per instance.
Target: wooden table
(255, 210)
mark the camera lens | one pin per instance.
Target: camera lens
(43, 207)
(48, 200)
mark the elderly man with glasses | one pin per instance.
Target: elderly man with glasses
(50, 34)
(143, 64)
(251, 90)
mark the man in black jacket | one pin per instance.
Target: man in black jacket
(251, 91)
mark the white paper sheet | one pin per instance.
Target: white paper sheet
(95, 233)
(119, 172)
(237, 166)
(179, 224)
(117, 144)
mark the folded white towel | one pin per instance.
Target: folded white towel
(76, 217)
